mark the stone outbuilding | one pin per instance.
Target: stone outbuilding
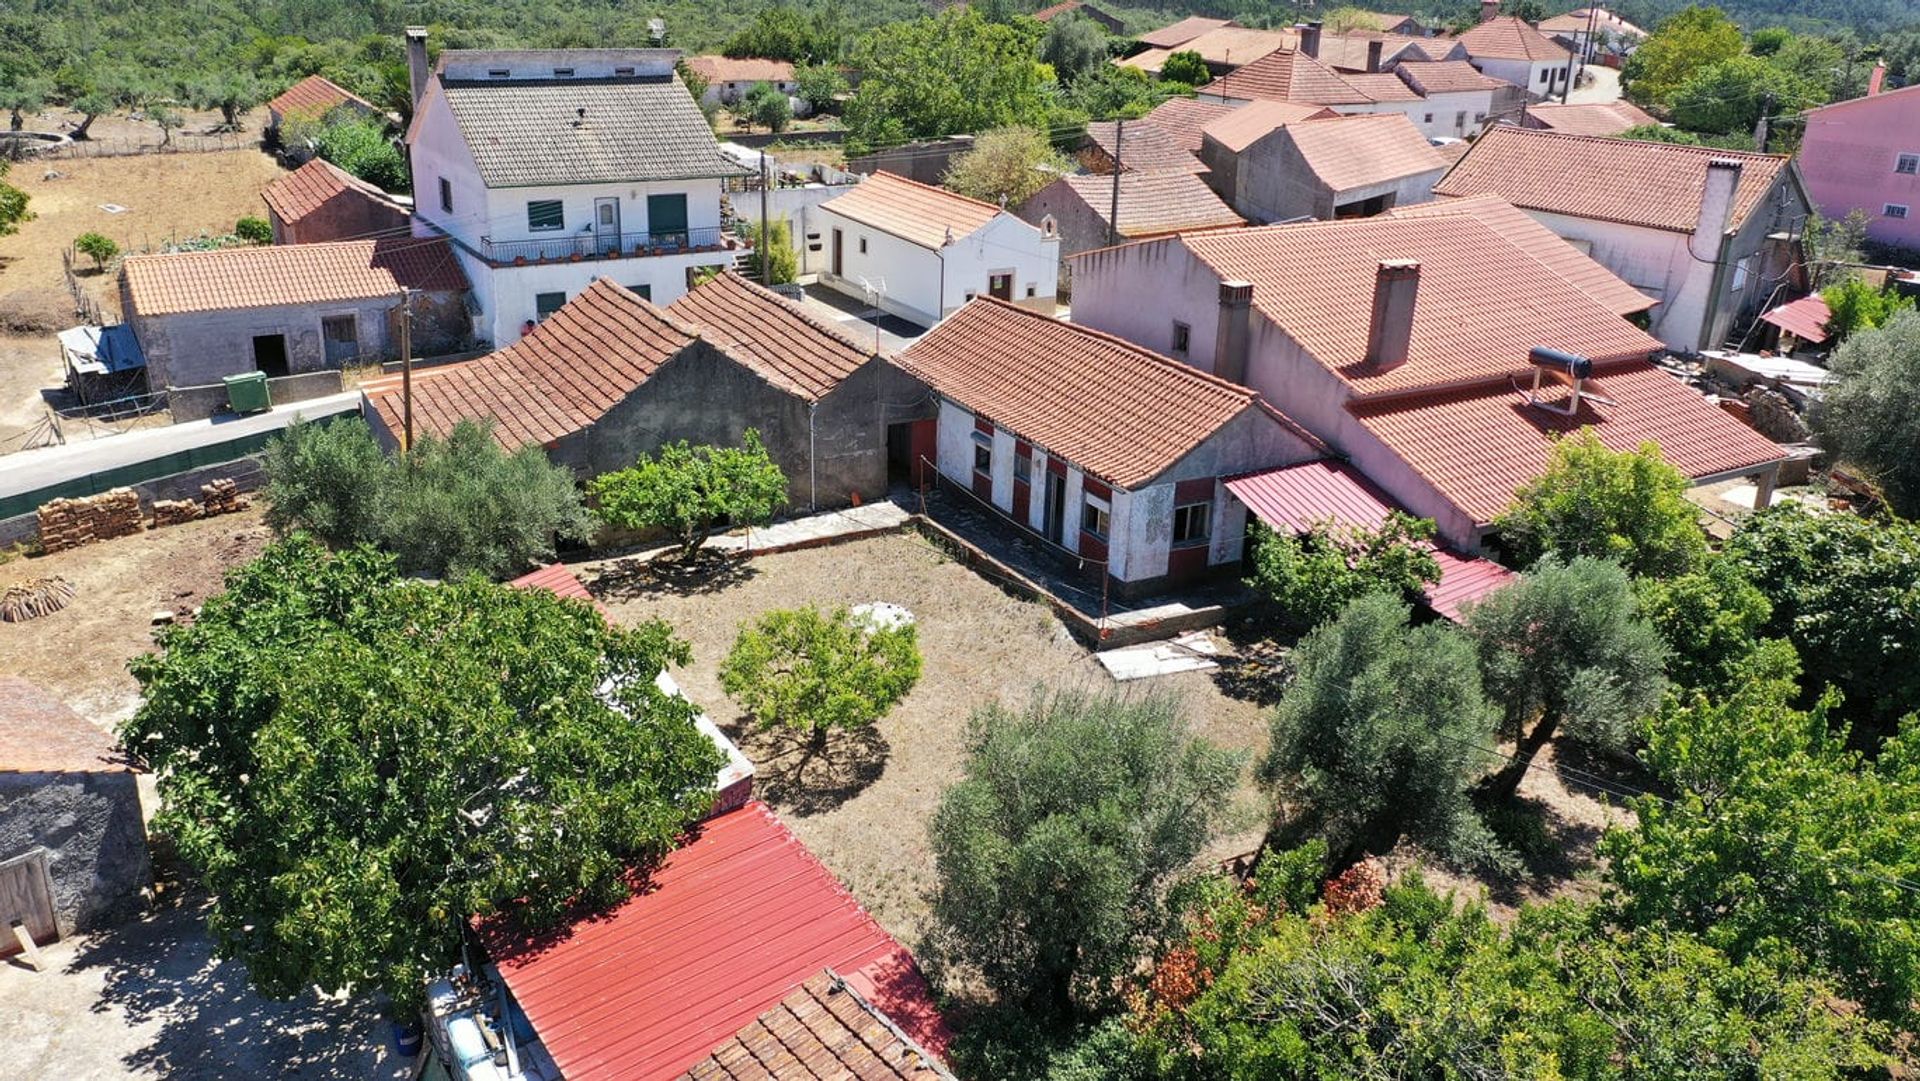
(1349, 167)
(73, 843)
(321, 201)
(611, 376)
(289, 309)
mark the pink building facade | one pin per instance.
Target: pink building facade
(1864, 154)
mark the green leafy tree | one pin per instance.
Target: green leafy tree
(773, 251)
(1768, 40)
(1381, 733)
(330, 480)
(946, 74)
(1710, 619)
(1846, 592)
(1780, 839)
(1732, 95)
(766, 106)
(1657, 133)
(687, 492)
(1347, 20)
(1006, 165)
(1818, 63)
(1627, 506)
(1692, 40)
(1074, 45)
(697, 86)
(819, 671)
(13, 203)
(1310, 577)
(1565, 646)
(820, 86)
(91, 106)
(1055, 852)
(97, 247)
(1832, 244)
(462, 505)
(1854, 305)
(230, 92)
(254, 230)
(1870, 416)
(360, 145)
(354, 764)
(1110, 92)
(167, 120)
(20, 96)
(1186, 67)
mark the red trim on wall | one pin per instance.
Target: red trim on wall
(983, 486)
(1184, 563)
(1095, 487)
(982, 424)
(924, 444)
(1091, 546)
(1057, 465)
(1022, 448)
(1022, 498)
(1193, 491)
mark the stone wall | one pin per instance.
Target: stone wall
(70, 523)
(91, 826)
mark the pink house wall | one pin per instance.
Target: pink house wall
(1849, 156)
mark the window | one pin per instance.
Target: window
(498, 73)
(563, 73)
(1023, 465)
(1095, 516)
(1479, 117)
(1190, 523)
(1545, 75)
(644, 292)
(1460, 119)
(1033, 291)
(1182, 339)
(1907, 164)
(983, 453)
(446, 195)
(545, 215)
(545, 304)
(1894, 210)
(622, 73)
(1428, 119)
(863, 245)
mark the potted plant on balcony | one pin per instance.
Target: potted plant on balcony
(519, 260)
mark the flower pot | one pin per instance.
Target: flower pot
(574, 258)
(519, 260)
(406, 1038)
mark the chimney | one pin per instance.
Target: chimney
(1396, 284)
(417, 62)
(1310, 39)
(1878, 79)
(1374, 48)
(1716, 204)
(1489, 9)
(1230, 339)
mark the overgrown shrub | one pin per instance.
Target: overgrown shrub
(97, 247)
(817, 671)
(254, 230)
(688, 491)
(1312, 576)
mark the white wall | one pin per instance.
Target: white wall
(924, 285)
(954, 443)
(1139, 290)
(440, 150)
(506, 211)
(515, 290)
(1527, 74)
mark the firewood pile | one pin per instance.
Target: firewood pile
(168, 512)
(219, 497)
(70, 523)
(34, 598)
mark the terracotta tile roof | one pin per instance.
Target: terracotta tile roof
(1287, 75)
(1484, 301)
(1598, 118)
(1246, 125)
(730, 925)
(582, 361)
(312, 186)
(1655, 185)
(1144, 148)
(1446, 77)
(1186, 119)
(1149, 60)
(1154, 204)
(824, 1031)
(748, 69)
(1048, 14)
(1436, 48)
(314, 96)
(1349, 52)
(918, 213)
(283, 275)
(1299, 497)
(1806, 318)
(1118, 411)
(1383, 86)
(1180, 33)
(1356, 151)
(1575, 22)
(528, 132)
(1508, 37)
(1238, 46)
(1519, 228)
(1386, 21)
(1475, 446)
(40, 734)
(770, 334)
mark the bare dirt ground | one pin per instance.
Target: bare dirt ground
(80, 653)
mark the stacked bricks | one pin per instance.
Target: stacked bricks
(70, 523)
(219, 497)
(168, 512)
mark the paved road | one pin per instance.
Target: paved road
(1604, 88)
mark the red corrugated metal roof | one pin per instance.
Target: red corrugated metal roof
(730, 924)
(558, 578)
(1805, 318)
(1299, 497)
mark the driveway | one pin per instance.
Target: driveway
(858, 318)
(148, 1000)
(1602, 87)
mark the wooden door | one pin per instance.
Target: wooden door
(26, 894)
(839, 251)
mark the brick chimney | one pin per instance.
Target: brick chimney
(417, 62)
(1310, 39)
(1396, 284)
(1878, 79)
(1232, 335)
(1374, 48)
(1489, 9)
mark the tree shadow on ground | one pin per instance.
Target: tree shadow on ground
(1552, 848)
(705, 572)
(802, 779)
(1257, 666)
(160, 971)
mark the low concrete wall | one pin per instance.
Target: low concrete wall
(201, 402)
(246, 472)
(91, 827)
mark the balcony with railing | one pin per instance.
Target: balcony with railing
(578, 247)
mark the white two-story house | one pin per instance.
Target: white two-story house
(550, 168)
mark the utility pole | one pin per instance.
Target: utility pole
(1113, 218)
(1763, 131)
(1586, 46)
(766, 236)
(406, 371)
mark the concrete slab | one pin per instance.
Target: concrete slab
(1190, 652)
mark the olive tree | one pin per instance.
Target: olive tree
(355, 764)
(1869, 417)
